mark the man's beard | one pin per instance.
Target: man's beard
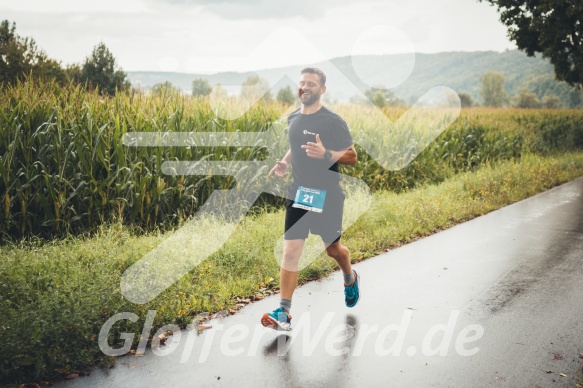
(310, 100)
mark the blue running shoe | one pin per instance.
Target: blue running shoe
(351, 293)
(278, 319)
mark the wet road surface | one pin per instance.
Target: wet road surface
(496, 301)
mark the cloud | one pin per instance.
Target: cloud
(263, 9)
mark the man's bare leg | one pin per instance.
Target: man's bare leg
(341, 254)
(288, 274)
(288, 280)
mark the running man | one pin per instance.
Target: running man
(319, 142)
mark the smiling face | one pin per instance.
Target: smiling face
(310, 89)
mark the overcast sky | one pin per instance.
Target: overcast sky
(204, 36)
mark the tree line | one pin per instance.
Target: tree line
(253, 88)
(20, 57)
(493, 94)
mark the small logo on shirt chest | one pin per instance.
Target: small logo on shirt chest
(306, 132)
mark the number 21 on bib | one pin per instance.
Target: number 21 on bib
(310, 199)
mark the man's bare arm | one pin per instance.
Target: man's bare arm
(317, 151)
(347, 156)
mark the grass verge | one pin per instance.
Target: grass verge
(55, 297)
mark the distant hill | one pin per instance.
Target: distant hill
(460, 71)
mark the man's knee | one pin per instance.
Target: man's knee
(291, 257)
(335, 249)
(292, 250)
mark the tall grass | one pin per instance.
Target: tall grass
(64, 167)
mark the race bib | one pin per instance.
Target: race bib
(310, 199)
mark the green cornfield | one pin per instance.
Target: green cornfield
(64, 167)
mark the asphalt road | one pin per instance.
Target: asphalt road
(496, 301)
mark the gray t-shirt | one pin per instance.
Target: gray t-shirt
(335, 136)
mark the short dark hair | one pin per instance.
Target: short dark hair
(315, 70)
